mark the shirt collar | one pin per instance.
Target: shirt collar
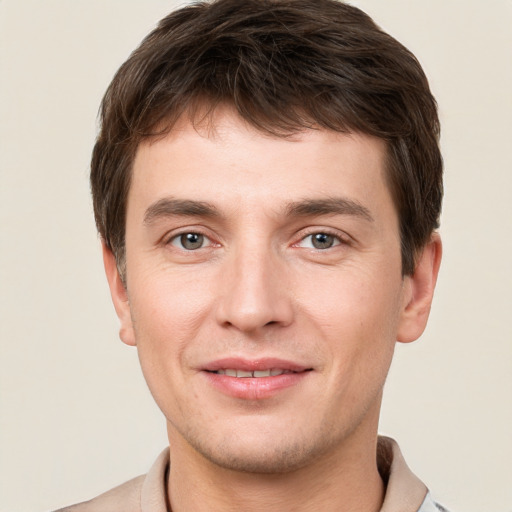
(405, 492)
(153, 496)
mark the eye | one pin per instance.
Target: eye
(320, 241)
(190, 241)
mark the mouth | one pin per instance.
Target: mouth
(254, 379)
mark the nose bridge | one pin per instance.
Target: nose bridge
(253, 294)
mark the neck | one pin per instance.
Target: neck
(345, 479)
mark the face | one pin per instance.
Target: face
(263, 290)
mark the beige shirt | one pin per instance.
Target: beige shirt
(147, 493)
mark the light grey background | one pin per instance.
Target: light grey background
(75, 416)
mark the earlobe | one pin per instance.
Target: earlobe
(119, 296)
(419, 291)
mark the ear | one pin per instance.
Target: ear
(119, 296)
(419, 291)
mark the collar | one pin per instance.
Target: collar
(405, 492)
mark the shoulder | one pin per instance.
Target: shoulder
(148, 492)
(124, 498)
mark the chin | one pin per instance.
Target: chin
(264, 452)
(281, 459)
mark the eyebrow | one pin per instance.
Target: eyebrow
(328, 206)
(168, 207)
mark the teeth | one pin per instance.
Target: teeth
(257, 373)
(261, 373)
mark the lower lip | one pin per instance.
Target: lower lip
(254, 388)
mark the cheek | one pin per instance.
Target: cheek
(356, 313)
(352, 298)
(168, 304)
(167, 314)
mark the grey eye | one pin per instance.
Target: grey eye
(322, 240)
(319, 241)
(189, 241)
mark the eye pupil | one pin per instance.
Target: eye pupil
(322, 241)
(192, 241)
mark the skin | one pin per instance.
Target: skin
(258, 288)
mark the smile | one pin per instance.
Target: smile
(254, 379)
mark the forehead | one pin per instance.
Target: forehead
(230, 163)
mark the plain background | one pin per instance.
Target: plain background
(76, 417)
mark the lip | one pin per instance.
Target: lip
(254, 388)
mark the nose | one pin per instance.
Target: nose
(253, 292)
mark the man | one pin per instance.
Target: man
(267, 183)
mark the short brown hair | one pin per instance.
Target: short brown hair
(284, 65)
